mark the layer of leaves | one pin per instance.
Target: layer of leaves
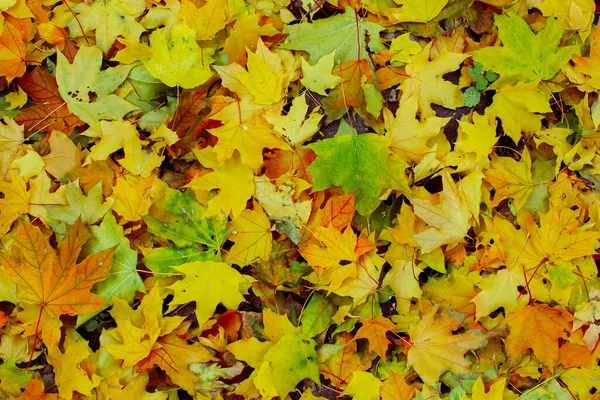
(232, 199)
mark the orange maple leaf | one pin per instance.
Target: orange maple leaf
(12, 51)
(50, 284)
(375, 332)
(537, 327)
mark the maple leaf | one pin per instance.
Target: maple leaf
(132, 202)
(434, 349)
(516, 106)
(345, 32)
(511, 178)
(51, 283)
(557, 237)
(68, 374)
(232, 178)
(293, 126)
(77, 80)
(11, 145)
(375, 332)
(409, 135)
(248, 140)
(414, 11)
(12, 51)
(426, 82)
(537, 327)
(449, 219)
(338, 211)
(108, 19)
(49, 112)
(357, 160)
(64, 157)
(318, 77)
(206, 20)
(15, 201)
(396, 388)
(525, 55)
(335, 252)
(340, 366)
(585, 65)
(287, 351)
(123, 281)
(186, 224)
(90, 209)
(179, 61)
(349, 93)
(145, 338)
(363, 385)
(251, 233)
(316, 317)
(209, 283)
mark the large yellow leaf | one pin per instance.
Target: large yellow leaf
(209, 283)
(434, 348)
(251, 233)
(248, 140)
(233, 179)
(449, 219)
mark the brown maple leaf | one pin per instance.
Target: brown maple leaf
(49, 112)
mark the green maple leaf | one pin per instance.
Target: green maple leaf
(200, 238)
(341, 33)
(90, 208)
(109, 19)
(358, 164)
(317, 315)
(292, 359)
(524, 55)
(78, 80)
(123, 280)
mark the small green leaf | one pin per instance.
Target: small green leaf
(481, 84)
(475, 70)
(471, 97)
(491, 76)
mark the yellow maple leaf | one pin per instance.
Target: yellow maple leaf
(293, 126)
(132, 197)
(426, 82)
(516, 106)
(417, 11)
(246, 139)
(69, 376)
(434, 349)
(233, 179)
(363, 386)
(318, 77)
(251, 233)
(333, 254)
(409, 135)
(510, 178)
(264, 79)
(11, 145)
(209, 283)
(113, 136)
(15, 201)
(449, 219)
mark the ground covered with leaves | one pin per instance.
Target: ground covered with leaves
(306, 199)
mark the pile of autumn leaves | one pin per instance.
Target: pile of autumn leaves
(232, 199)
